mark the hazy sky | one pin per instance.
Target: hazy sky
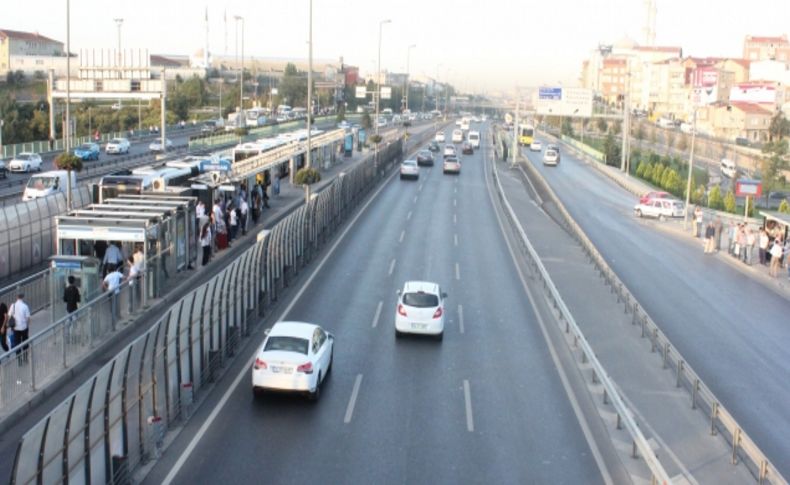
(491, 44)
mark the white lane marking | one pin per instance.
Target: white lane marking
(455, 190)
(470, 420)
(408, 216)
(244, 372)
(455, 219)
(455, 202)
(353, 400)
(402, 235)
(378, 314)
(607, 477)
(461, 317)
(455, 239)
(392, 267)
(415, 199)
(457, 271)
(419, 189)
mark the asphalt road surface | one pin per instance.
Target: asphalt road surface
(485, 405)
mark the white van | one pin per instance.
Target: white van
(48, 183)
(728, 168)
(458, 136)
(474, 139)
(665, 123)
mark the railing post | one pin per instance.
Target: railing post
(64, 336)
(27, 353)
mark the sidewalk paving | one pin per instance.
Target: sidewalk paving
(680, 436)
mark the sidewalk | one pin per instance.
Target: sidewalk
(680, 436)
(15, 423)
(780, 285)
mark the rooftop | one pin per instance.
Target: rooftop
(751, 108)
(29, 36)
(767, 39)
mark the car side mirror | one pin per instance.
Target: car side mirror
(444, 295)
(267, 330)
(397, 292)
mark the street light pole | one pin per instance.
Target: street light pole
(378, 77)
(406, 88)
(691, 170)
(515, 132)
(241, 75)
(119, 23)
(308, 157)
(2, 122)
(66, 126)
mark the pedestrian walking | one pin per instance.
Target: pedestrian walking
(112, 285)
(133, 278)
(718, 226)
(112, 258)
(731, 233)
(762, 245)
(244, 210)
(776, 257)
(233, 222)
(4, 327)
(71, 295)
(751, 239)
(19, 322)
(139, 258)
(266, 198)
(276, 187)
(205, 242)
(709, 233)
(698, 220)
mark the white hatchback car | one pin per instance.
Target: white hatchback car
(660, 208)
(439, 137)
(551, 157)
(25, 162)
(420, 309)
(409, 169)
(458, 136)
(449, 151)
(117, 146)
(536, 146)
(294, 357)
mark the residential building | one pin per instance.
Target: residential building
(756, 48)
(29, 52)
(669, 89)
(736, 120)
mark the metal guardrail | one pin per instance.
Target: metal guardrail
(35, 288)
(117, 419)
(599, 374)
(744, 449)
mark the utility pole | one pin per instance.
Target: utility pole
(378, 77)
(241, 121)
(309, 91)
(408, 78)
(515, 133)
(66, 127)
(119, 62)
(691, 170)
(626, 117)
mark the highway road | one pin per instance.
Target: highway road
(732, 329)
(485, 405)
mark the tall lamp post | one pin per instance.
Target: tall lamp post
(378, 77)
(67, 125)
(406, 87)
(119, 23)
(308, 157)
(241, 73)
(691, 169)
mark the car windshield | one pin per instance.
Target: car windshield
(287, 344)
(420, 300)
(410, 162)
(116, 140)
(85, 146)
(551, 153)
(41, 183)
(24, 156)
(425, 153)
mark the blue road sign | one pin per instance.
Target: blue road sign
(554, 94)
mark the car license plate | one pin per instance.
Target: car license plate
(281, 370)
(419, 326)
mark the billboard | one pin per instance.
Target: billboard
(746, 187)
(386, 92)
(361, 92)
(560, 101)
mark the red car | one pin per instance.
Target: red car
(653, 194)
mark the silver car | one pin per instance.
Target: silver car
(409, 169)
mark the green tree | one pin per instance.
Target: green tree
(779, 128)
(567, 127)
(784, 207)
(729, 202)
(603, 126)
(665, 176)
(366, 121)
(611, 150)
(70, 163)
(714, 198)
(674, 184)
(293, 86)
(774, 163)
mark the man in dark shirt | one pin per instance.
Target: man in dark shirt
(71, 295)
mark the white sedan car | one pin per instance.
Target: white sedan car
(536, 146)
(420, 309)
(449, 151)
(25, 162)
(551, 157)
(439, 137)
(409, 169)
(663, 209)
(295, 357)
(117, 146)
(156, 145)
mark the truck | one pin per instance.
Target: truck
(47, 183)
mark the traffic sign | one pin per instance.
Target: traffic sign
(386, 92)
(559, 101)
(361, 91)
(748, 187)
(554, 94)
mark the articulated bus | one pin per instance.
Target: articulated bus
(144, 179)
(526, 133)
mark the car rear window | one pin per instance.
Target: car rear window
(420, 300)
(409, 162)
(287, 344)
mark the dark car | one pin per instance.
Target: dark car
(467, 149)
(434, 146)
(424, 157)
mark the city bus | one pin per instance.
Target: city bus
(526, 133)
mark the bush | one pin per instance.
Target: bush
(307, 176)
(68, 161)
(714, 198)
(784, 207)
(729, 203)
(642, 168)
(376, 139)
(674, 184)
(241, 131)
